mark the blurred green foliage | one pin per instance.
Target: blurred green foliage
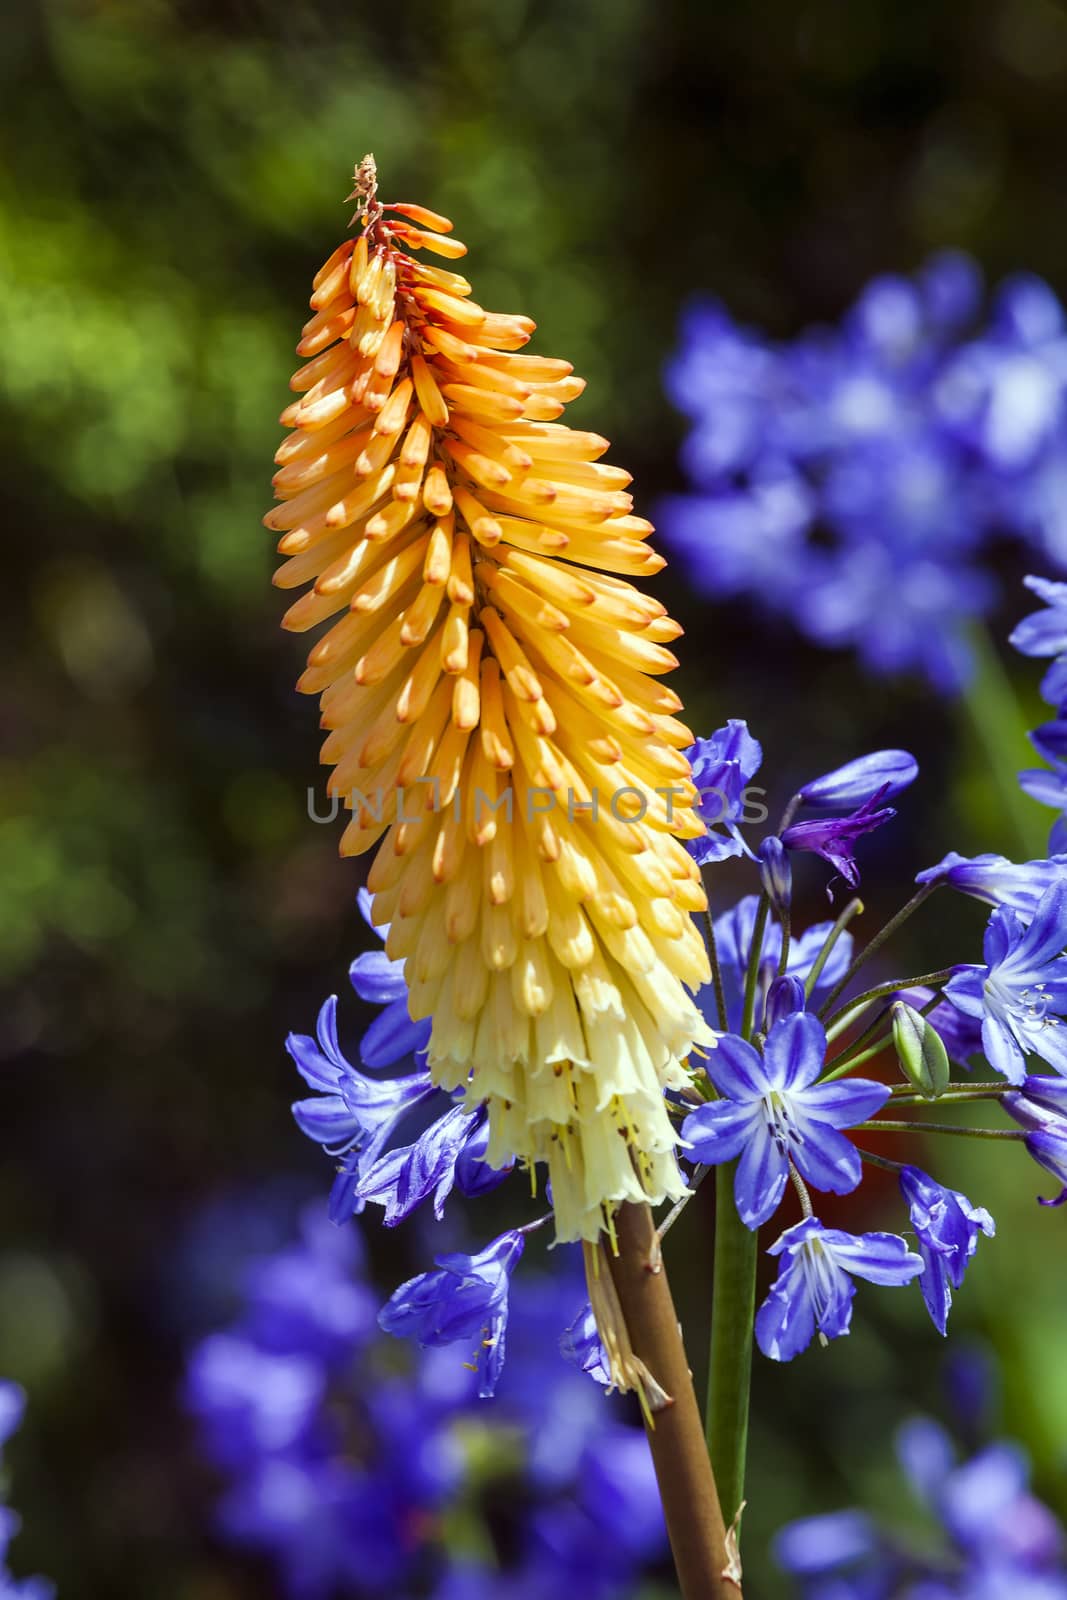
(173, 174)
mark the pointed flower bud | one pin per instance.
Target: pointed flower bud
(920, 1051)
(784, 997)
(883, 774)
(490, 681)
(776, 873)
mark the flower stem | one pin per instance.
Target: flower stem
(853, 909)
(754, 956)
(961, 1132)
(787, 930)
(921, 894)
(879, 1161)
(952, 1098)
(856, 1058)
(716, 969)
(849, 1013)
(993, 1087)
(699, 1540)
(733, 1310)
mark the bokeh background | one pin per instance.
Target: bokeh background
(172, 173)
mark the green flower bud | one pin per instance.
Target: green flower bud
(920, 1051)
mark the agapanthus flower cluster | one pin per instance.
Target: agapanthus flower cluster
(357, 1474)
(780, 1092)
(976, 1531)
(12, 1409)
(881, 457)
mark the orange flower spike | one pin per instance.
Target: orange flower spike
(491, 695)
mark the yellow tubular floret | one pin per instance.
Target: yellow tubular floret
(489, 678)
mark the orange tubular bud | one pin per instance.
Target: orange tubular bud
(468, 542)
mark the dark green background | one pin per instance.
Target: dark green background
(171, 176)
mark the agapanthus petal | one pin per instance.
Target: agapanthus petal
(846, 1101)
(795, 1051)
(785, 1323)
(879, 1257)
(376, 979)
(315, 1068)
(326, 1119)
(996, 880)
(761, 1177)
(833, 837)
(736, 1069)
(392, 1036)
(825, 1158)
(1002, 1050)
(718, 1131)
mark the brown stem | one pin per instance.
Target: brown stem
(703, 1555)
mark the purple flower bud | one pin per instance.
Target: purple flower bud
(884, 773)
(776, 873)
(784, 997)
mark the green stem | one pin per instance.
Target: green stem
(845, 1063)
(954, 1128)
(733, 1311)
(754, 955)
(923, 893)
(716, 969)
(955, 1099)
(879, 1161)
(786, 921)
(1000, 727)
(962, 1089)
(853, 909)
(849, 1013)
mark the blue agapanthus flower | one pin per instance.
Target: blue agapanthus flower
(946, 1226)
(773, 1113)
(1020, 994)
(723, 767)
(465, 1297)
(833, 838)
(997, 881)
(356, 1117)
(814, 1290)
(855, 478)
(350, 1114)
